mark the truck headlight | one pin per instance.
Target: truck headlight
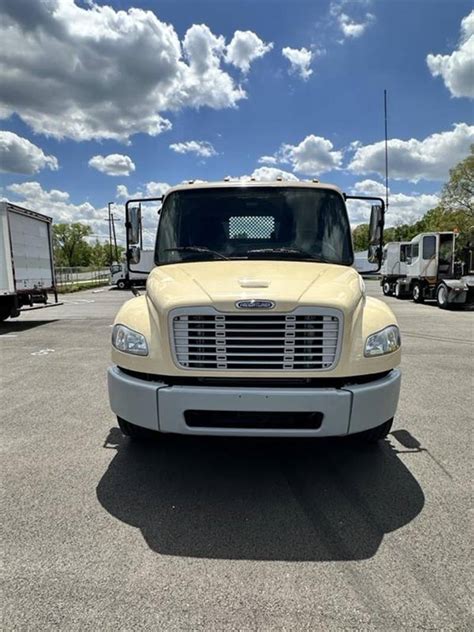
(129, 341)
(382, 342)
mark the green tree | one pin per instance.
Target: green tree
(100, 254)
(360, 237)
(458, 192)
(70, 246)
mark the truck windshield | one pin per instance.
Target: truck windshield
(290, 223)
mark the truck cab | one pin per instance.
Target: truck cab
(124, 277)
(254, 321)
(394, 265)
(432, 272)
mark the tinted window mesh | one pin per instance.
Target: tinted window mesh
(251, 227)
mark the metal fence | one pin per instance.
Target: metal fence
(67, 277)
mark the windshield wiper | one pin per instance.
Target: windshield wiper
(287, 251)
(198, 249)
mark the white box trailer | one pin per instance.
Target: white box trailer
(124, 278)
(26, 259)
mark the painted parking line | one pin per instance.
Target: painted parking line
(42, 352)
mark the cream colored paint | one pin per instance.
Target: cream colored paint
(289, 284)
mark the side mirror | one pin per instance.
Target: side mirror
(375, 234)
(134, 225)
(134, 254)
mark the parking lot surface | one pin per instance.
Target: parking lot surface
(186, 534)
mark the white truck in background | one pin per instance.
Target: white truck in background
(124, 278)
(432, 271)
(26, 259)
(394, 265)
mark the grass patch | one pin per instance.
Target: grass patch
(78, 287)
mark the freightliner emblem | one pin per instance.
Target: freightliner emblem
(255, 304)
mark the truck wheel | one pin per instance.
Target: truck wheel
(122, 284)
(386, 289)
(442, 296)
(398, 291)
(130, 430)
(374, 435)
(7, 310)
(417, 293)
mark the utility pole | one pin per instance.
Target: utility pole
(386, 148)
(109, 204)
(115, 236)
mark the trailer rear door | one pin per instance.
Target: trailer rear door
(31, 251)
(6, 274)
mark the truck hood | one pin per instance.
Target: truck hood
(221, 283)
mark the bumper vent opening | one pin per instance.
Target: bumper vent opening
(253, 420)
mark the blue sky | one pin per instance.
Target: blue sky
(87, 82)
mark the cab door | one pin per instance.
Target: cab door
(429, 259)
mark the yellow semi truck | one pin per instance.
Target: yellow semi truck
(254, 321)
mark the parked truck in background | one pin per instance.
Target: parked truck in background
(254, 321)
(124, 278)
(26, 259)
(394, 265)
(432, 271)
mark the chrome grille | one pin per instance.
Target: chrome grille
(305, 339)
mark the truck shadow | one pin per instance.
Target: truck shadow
(12, 326)
(253, 499)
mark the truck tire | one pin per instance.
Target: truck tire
(417, 293)
(387, 288)
(374, 435)
(8, 309)
(130, 430)
(442, 296)
(122, 284)
(4, 312)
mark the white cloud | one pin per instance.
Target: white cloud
(113, 164)
(353, 28)
(90, 71)
(19, 155)
(149, 209)
(156, 188)
(300, 61)
(57, 204)
(313, 156)
(413, 159)
(354, 25)
(150, 189)
(267, 160)
(457, 69)
(244, 47)
(271, 173)
(199, 147)
(369, 187)
(403, 207)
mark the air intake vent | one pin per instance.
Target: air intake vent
(306, 339)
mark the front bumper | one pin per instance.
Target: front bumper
(347, 410)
